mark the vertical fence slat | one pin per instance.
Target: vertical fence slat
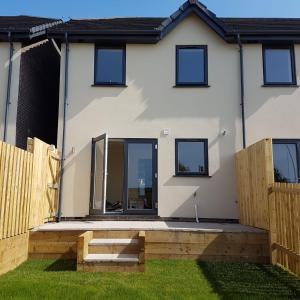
(19, 215)
(2, 165)
(5, 158)
(28, 202)
(18, 188)
(8, 190)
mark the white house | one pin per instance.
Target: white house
(152, 110)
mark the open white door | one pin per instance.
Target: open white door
(99, 173)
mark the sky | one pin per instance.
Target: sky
(66, 9)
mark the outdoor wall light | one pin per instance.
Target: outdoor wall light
(166, 131)
(224, 132)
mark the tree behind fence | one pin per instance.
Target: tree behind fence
(28, 186)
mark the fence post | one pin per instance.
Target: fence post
(30, 148)
(272, 231)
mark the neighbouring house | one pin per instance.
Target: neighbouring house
(152, 110)
(29, 80)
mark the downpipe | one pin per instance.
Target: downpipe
(241, 51)
(63, 156)
(8, 88)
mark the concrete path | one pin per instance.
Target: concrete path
(146, 225)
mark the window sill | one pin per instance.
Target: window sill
(109, 85)
(191, 175)
(191, 86)
(280, 85)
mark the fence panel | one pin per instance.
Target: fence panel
(15, 165)
(45, 180)
(285, 226)
(28, 186)
(269, 205)
(254, 173)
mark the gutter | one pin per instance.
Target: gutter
(8, 88)
(242, 89)
(63, 158)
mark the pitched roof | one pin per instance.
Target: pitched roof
(22, 23)
(261, 25)
(24, 28)
(113, 24)
(151, 30)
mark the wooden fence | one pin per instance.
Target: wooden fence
(28, 186)
(45, 181)
(269, 205)
(285, 225)
(254, 174)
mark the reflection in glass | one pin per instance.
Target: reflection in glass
(191, 157)
(140, 187)
(191, 66)
(278, 66)
(109, 66)
(285, 163)
(99, 174)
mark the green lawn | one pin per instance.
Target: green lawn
(49, 279)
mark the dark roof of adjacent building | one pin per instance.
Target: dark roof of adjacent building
(151, 30)
(22, 23)
(24, 27)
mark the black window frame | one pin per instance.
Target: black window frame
(290, 141)
(107, 47)
(293, 66)
(192, 84)
(206, 161)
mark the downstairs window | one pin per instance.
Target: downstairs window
(191, 157)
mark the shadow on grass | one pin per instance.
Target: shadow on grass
(250, 281)
(62, 266)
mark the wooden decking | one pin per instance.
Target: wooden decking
(163, 240)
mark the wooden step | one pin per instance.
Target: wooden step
(115, 234)
(113, 246)
(114, 258)
(96, 242)
(111, 253)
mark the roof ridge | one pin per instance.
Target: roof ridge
(116, 18)
(29, 16)
(256, 18)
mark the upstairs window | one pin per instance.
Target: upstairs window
(110, 65)
(279, 65)
(191, 157)
(286, 156)
(191, 65)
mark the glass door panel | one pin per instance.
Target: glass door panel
(99, 173)
(141, 175)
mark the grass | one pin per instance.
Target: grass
(49, 279)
